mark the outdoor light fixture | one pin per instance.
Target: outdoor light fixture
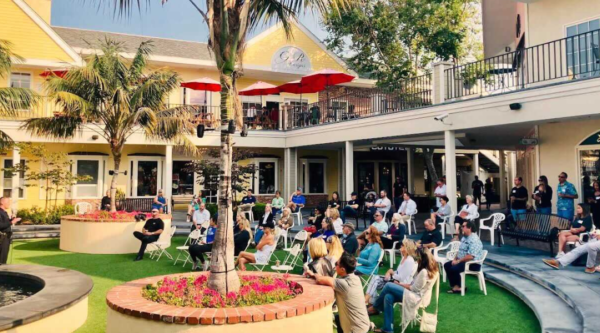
(95, 137)
(515, 106)
(200, 131)
(112, 172)
(244, 131)
(231, 127)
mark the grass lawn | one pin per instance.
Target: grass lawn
(499, 311)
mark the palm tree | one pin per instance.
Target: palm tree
(12, 99)
(115, 98)
(228, 23)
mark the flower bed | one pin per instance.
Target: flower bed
(194, 292)
(118, 216)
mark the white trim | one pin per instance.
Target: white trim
(21, 179)
(48, 30)
(133, 173)
(574, 23)
(101, 159)
(42, 63)
(255, 179)
(307, 161)
(17, 71)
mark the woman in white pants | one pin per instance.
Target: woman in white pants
(403, 274)
(592, 247)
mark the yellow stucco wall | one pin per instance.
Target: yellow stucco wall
(29, 40)
(42, 7)
(331, 171)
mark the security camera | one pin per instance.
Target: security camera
(441, 117)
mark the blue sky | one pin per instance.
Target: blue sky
(177, 19)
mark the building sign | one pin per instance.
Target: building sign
(387, 148)
(593, 139)
(291, 59)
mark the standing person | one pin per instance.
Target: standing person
(297, 200)
(277, 203)
(470, 248)
(477, 187)
(352, 314)
(581, 223)
(6, 224)
(160, 202)
(594, 201)
(105, 203)
(518, 200)
(543, 196)
(440, 191)
(489, 192)
(198, 250)
(201, 218)
(566, 191)
(399, 187)
(351, 208)
(247, 203)
(150, 233)
(382, 205)
(349, 241)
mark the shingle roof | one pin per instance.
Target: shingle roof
(164, 47)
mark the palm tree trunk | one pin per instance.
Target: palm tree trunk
(113, 183)
(223, 277)
(428, 156)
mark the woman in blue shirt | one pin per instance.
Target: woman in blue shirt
(160, 202)
(369, 256)
(198, 250)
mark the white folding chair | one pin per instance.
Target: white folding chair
(366, 279)
(411, 223)
(446, 224)
(160, 247)
(392, 253)
(290, 260)
(298, 215)
(496, 218)
(249, 213)
(192, 239)
(261, 267)
(583, 238)
(285, 233)
(478, 273)
(451, 250)
(83, 208)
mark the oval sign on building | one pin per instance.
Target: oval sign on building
(291, 59)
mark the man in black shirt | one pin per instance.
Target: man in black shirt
(399, 187)
(477, 186)
(518, 200)
(6, 224)
(105, 204)
(351, 208)
(431, 237)
(349, 241)
(150, 233)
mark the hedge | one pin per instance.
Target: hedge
(37, 215)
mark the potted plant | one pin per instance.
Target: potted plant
(471, 74)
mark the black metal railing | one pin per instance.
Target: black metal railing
(357, 103)
(569, 58)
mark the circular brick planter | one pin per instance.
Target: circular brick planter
(83, 235)
(129, 312)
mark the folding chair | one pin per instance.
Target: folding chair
(446, 224)
(285, 233)
(83, 208)
(451, 251)
(301, 238)
(261, 267)
(367, 279)
(478, 273)
(298, 215)
(160, 247)
(249, 213)
(496, 218)
(290, 260)
(411, 223)
(392, 252)
(192, 239)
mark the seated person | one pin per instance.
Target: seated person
(369, 256)
(403, 274)
(263, 251)
(266, 221)
(470, 249)
(349, 241)
(334, 214)
(287, 220)
(581, 223)
(201, 218)
(335, 201)
(351, 208)
(467, 213)
(334, 249)
(277, 203)
(194, 204)
(243, 236)
(592, 247)
(297, 201)
(318, 253)
(381, 227)
(407, 208)
(317, 218)
(382, 205)
(150, 233)
(105, 203)
(396, 233)
(443, 210)
(432, 237)
(325, 232)
(198, 250)
(247, 203)
(160, 202)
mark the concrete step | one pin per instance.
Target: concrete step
(553, 313)
(36, 234)
(39, 227)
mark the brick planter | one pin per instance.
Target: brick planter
(129, 312)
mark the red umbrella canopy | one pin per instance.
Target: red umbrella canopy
(259, 89)
(326, 77)
(297, 87)
(57, 72)
(205, 84)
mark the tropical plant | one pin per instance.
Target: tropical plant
(115, 98)
(228, 23)
(12, 100)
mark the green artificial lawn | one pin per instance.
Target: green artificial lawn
(499, 311)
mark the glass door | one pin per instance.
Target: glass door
(146, 177)
(589, 162)
(183, 179)
(385, 177)
(366, 175)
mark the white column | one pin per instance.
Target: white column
(410, 158)
(439, 81)
(476, 164)
(280, 119)
(168, 190)
(450, 150)
(16, 158)
(289, 171)
(502, 162)
(349, 154)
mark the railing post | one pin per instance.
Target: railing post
(279, 118)
(439, 81)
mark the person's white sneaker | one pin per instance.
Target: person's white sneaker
(206, 266)
(559, 255)
(194, 265)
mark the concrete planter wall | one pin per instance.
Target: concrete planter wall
(104, 237)
(129, 312)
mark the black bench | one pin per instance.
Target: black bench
(538, 227)
(138, 205)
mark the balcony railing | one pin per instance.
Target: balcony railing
(359, 103)
(568, 58)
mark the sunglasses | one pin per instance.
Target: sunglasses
(154, 212)
(562, 177)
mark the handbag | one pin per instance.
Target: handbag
(429, 320)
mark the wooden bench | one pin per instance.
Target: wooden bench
(538, 227)
(138, 205)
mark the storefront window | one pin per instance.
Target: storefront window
(316, 177)
(183, 179)
(266, 177)
(147, 178)
(590, 171)
(7, 180)
(366, 175)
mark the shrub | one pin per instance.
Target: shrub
(212, 208)
(37, 215)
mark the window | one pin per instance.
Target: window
(197, 97)
(147, 178)
(314, 176)
(583, 51)
(266, 179)
(91, 186)
(252, 103)
(20, 80)
(590, 172)
(7, 181)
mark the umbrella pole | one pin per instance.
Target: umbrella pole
(184, 89)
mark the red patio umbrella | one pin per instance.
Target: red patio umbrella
(205, 84)
(259, 89)
(298, 87)
(326, 77)
(57, 72)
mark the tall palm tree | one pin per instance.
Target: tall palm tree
(12, 99)
(228, 23)
(115, 98)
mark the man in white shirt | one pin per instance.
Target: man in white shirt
(383, 205)
(408, 207)
(440, 191)
(201, 218)
(379, 224)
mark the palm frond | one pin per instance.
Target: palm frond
(60, 127)
(7, 57)
(13, 100)
(5, 141)
(140, 60)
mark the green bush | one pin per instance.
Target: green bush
(212, 208)
(37, 215)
